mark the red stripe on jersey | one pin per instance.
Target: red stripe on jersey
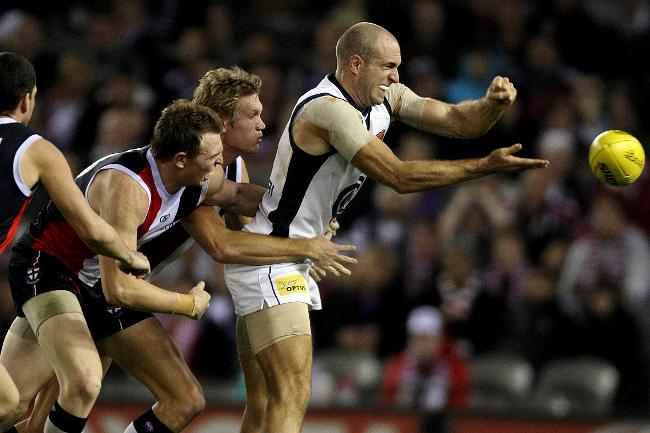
(61, 241)
(156, 200)
(14, 225)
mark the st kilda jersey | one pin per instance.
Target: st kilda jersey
(166, 248)
(15, 139)
(306, 191)
(51, 234)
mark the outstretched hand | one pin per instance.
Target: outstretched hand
(502, 160)
(329, 257)
(501, 91)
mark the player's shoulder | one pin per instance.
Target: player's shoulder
(330, 104)
(119, 182)
(43, 151)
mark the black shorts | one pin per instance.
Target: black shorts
(105, 319)
(33, 272)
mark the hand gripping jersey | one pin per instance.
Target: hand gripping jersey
(306, 191)
(15, 138)
(51, 234)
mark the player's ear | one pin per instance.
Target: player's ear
(25, 100)
(180, 159)
(355, 63)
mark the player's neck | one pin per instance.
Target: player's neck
(346, 82)
(229, 155)
(169, 176)
(11, 116)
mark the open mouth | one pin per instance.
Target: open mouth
(383, 87)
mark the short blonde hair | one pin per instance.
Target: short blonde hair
(220, 89)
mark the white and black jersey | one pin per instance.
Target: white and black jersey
(306, 191)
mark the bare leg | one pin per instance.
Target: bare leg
(286, 366)
(70, 348)
(44, 402)
(256, 391)
(146, 352)
(18, 352)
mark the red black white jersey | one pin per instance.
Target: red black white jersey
(52, 234)
(306, 191)
(15, 139)
(171, 244)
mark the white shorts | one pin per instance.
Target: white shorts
(253, 286)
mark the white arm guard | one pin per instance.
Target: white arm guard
(406, 105)
(344, 124)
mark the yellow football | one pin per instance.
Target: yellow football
(616, 157)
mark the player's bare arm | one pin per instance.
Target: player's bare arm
(43, 162)
(340, 123)
(378, 161)
(467, 119)
(229, 246)
(108, 188)
(237, 198)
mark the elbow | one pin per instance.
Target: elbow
(118, 295)
(399, 183)
(223, 255)
(473, 133)
(94, 237)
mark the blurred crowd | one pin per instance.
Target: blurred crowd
(545, 264)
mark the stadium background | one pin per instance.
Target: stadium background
(545, 265)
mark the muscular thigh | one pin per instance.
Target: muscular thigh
(147, 352)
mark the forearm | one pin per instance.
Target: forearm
(254, 249)
(104, 240)
(467, 119)
(138, 294)
(415, 176)
(476, 117)
(237, 198)
(248, 199)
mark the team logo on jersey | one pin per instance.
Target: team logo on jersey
(291, 284)
(346, 196)
(33, 275)
(381, 134)
(165, 218)
(113, 309)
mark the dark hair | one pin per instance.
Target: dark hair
(17, 77)
(180, 127)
